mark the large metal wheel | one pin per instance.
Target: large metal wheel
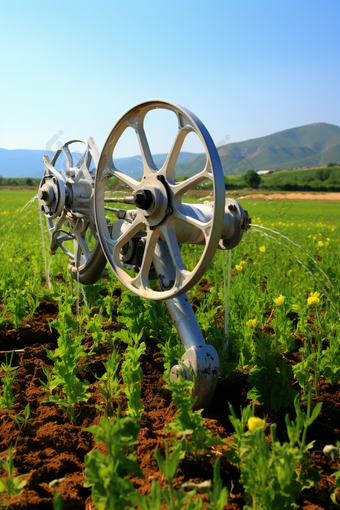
(160, 213)
(66, 199)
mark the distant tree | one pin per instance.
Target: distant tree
(322, 174)
(1, 180)
(252, 179)
(332, 164)
(29, 181)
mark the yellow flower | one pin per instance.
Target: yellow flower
(320, 243)
(262, 248)
(255, 424)
(314, 238)
(279, 300)
(295, 307)
(313, 298)
(243, 262)
(11, 260)
(26, 283)
(252, 323)
(328, 239)
(332, 229)
(239, 268)
(29, 223)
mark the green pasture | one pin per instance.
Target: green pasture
(288, 268)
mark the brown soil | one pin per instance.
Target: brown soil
(51, 450)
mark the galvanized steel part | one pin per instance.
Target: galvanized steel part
(66, 199)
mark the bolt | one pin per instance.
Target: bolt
(232, 207)
(168, 211)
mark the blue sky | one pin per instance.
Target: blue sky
(246, 69)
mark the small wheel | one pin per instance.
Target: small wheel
(160, 213)
(66, 199)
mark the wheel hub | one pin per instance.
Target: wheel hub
(152, 200)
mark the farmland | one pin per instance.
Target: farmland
(100, 433)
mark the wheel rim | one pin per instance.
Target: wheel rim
(86, 257)
(167, 199)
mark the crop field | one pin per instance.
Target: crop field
(88, 416)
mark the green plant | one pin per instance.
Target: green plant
(269, 470)
(132, 372)
(17, 303)
(7, 398)
(270, 376)
(173, 498)
(107, 474)
(66, 358)
(219, 495)
(22, 421)
(13, 485)
(172, 350)
(142, 314)
(109, 383)
(188, 424)
(58, 502)
(94, 326)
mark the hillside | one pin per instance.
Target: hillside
(313, 145)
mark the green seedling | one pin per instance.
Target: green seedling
(132, 373)
(109, 383)
(17, 303)
(273, 474)
(7, 398)
(188, 424)
(66, 358)
(13, 485)
(94, 326)
(107, 474)
(22, 421)
(173, 498)
(270, 377)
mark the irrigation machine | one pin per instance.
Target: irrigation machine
(142, 242)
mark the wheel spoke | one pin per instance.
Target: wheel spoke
(111, 171)
(181, 188)
(148, 162)
(81, 245)
(169, 234)
(94, 150)
(168, 167)
(142, 279)
(203, 226)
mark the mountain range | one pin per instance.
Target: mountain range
(312, 145)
